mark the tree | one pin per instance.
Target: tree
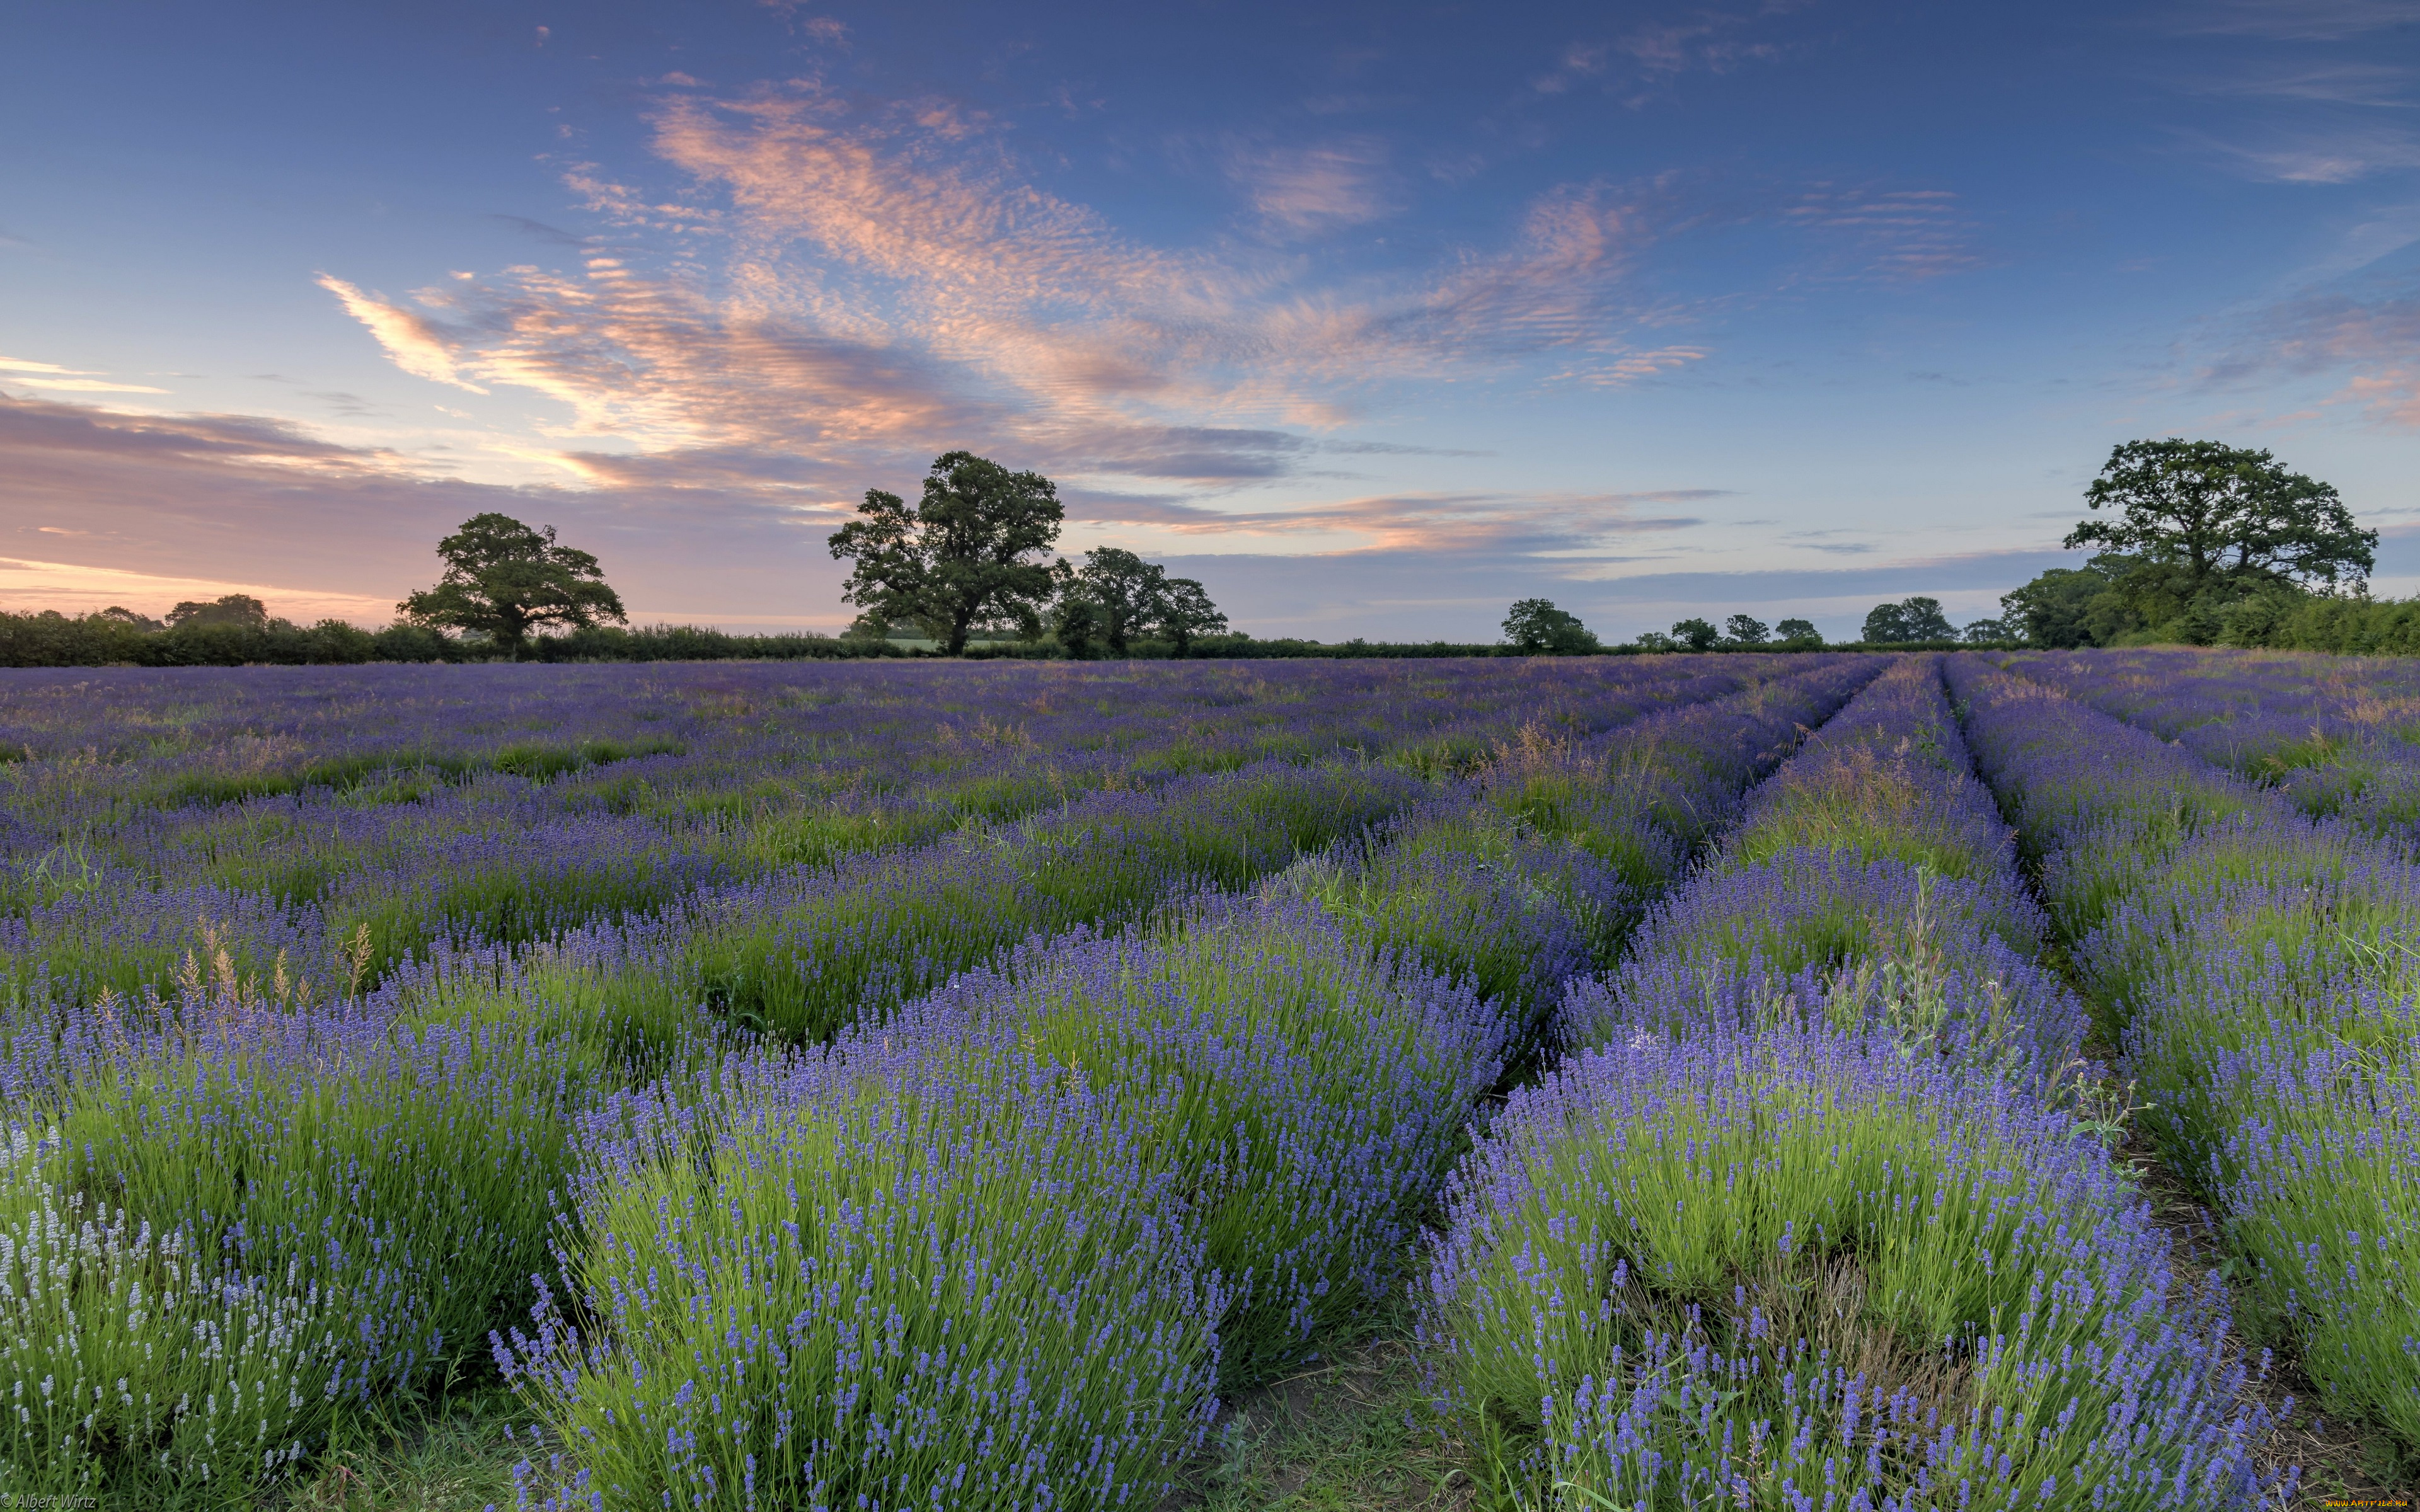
(503, 579)
(1742, 630)
(1185, 612)
(1656, 640)
(241, 610)
(1798, 633)
(2201, 525)
(1981, 632)
(1129, 592)
(120, 614)
(2070, 607)
(963, 556)
(1077, 622)
(1915, 618)
(1697, 634)
(1536, 626)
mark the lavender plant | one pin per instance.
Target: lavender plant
(1100, 1159)
(1790, 1269)
(2245, 960)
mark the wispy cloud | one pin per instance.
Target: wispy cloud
(412, 340)
(1311, 190)
(850, 284)
(2313, 21)
(2364, 331)
(1900, 234)
(35, 374)
(2317, 155)
(243, 501)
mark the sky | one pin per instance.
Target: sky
(1372, 317)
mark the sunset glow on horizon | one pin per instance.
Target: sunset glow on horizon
(1371, 319)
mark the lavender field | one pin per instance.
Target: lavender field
(1740, 1081)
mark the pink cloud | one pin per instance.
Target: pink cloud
(1901, 235)
(1308, 190)
(2332, 332)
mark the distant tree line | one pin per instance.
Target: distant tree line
(2201, 543)
(1536, 628)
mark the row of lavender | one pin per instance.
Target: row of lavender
(2339, 737)
(1159, 1163)
(1811, 1215)
(1064, 1200)
(302, 833)
(2256, 969)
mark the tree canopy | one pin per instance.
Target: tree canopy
(1186, 612)
(1746, 630)
(1914, 618)
(2070, 607)
(2199, 515)
(1131, 595)
(504, 579)
(968, 553)
(1696, 632)
(241, 610)
(1798, 633)
(1537, 627)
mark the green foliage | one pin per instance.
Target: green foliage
(241, 611)
(2199, 515)
(1078, 623)
(1798, 634)
(2067, 608)
(2283, 620)
(2205, 545)
(1891, 1232)
(158, 1371)
(1746, 630)
(1697, 634)
(1536, 628)
(963, 556)
(1187, 613)
(1910, 620)
(504, 579)
(885, 936)
(1130, 594)
(964, 1234)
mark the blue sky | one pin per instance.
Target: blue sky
(1373, 317)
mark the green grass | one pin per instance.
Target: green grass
(452, 1452)
(1351, 1431)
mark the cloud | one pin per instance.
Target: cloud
(87, 386)
(35, 374)
(2326, 83)
(2367, 330)
(2391, 396)
(1475, 527)
(846, 284)
(240, 500)
(2313, 21)
(413, 340)
(1898, 234)
(1305, 191)
(2334, 156)
(71, 588)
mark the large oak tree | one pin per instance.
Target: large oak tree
(970, 553)
(2202, 520)
(504, 579)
